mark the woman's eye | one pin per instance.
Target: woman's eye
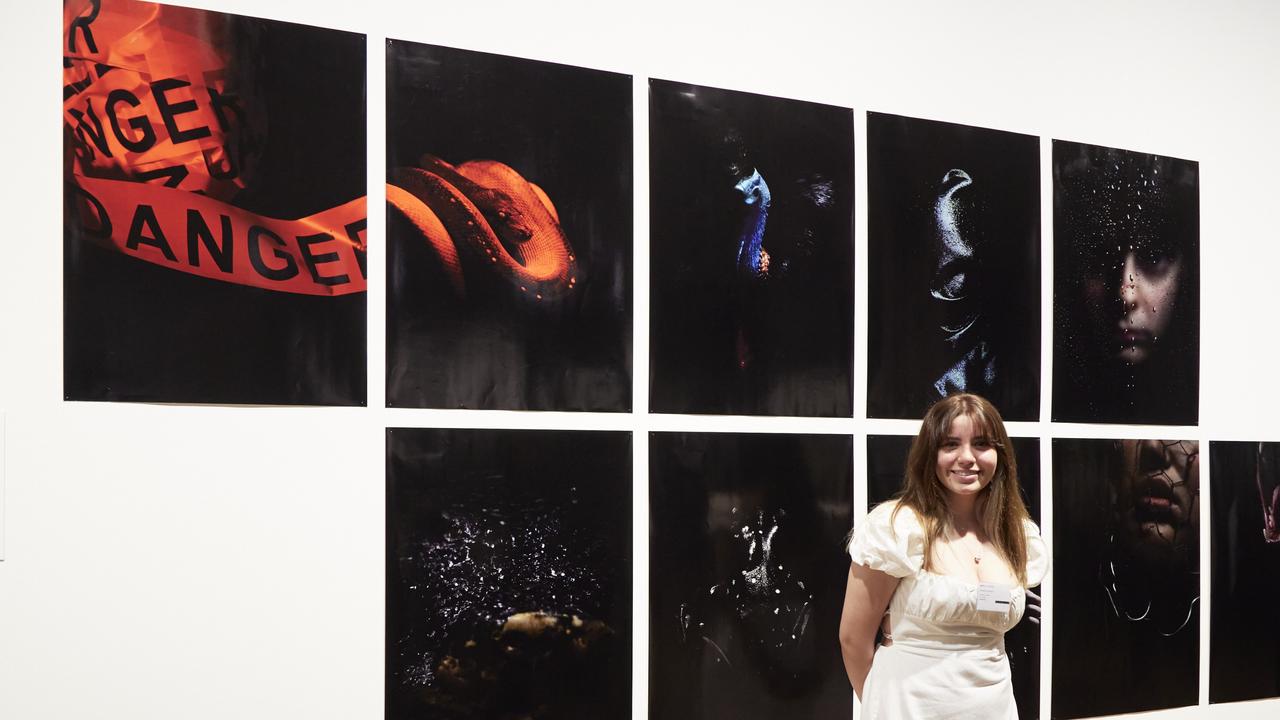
(1155, 260)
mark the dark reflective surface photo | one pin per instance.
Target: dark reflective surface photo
(508, 574)
(1244, 651)
(747, 575)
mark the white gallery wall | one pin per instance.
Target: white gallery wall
(169, 561)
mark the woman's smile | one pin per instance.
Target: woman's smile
(967, 458)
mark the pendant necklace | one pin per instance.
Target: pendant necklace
(977, 557)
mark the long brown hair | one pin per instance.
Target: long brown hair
(1000, 508)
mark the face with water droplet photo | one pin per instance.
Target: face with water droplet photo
(1135, 305)
(1126, 286)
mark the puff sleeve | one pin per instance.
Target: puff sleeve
(1037, 554)
(892, 545)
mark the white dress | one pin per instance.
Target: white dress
(947, 659)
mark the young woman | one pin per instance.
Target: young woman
(944, 568)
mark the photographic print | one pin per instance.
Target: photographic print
(1126, 288)
(886, 464)
(747, 575)
(954, 253)
(1244, 650)
(215, 220)
(508, 574)
(1126, 576)
(509, 196)
(751, 236)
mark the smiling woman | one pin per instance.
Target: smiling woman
(966, 460)
(944, 569)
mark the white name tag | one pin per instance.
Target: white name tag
(994, 598)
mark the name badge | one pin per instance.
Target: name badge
(994, 598)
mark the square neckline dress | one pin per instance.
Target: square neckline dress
(947, 660)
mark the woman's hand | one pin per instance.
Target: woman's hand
(1033, 607)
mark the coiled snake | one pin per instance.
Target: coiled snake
(484, 217)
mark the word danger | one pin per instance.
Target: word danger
(323, 254)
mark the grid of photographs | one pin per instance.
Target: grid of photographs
(214, 252)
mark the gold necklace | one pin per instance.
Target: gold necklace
(977, 557)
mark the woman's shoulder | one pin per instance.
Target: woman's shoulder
(1030, 527)
(896, 516)
(889, 539)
